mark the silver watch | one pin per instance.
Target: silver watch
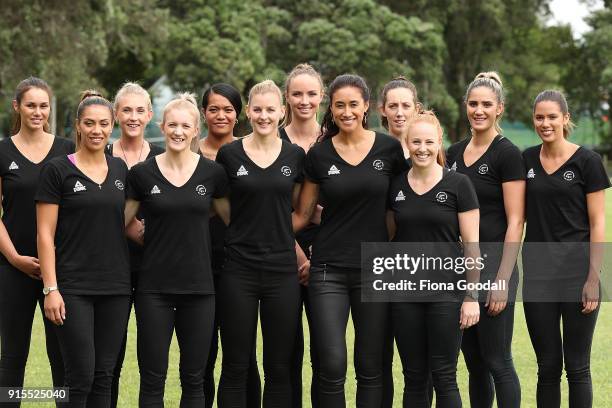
(49, 289)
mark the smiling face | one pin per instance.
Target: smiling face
(94, 127)
(220, 115)
(549, 121)
(133, 114)
(424, 143)
(179, 127)
(304, 96)
(33, 109)
(398, 108)
(265, 112)
(483, 109)
(348, 108)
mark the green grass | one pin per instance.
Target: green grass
(38, 373)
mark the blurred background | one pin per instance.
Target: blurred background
(177, 45)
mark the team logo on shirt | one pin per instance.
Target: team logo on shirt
(200, 189)
(13, 166)
(400, 196)
(79, 187)
(568, 175)
(155, 190)
(531, 173)
(119, 185)
(454, 166)
(242, 171)
(441, 197)
(286, 170)
(378, 164)
(333, 170)
(483, 168)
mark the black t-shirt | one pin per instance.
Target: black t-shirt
(432, 216)
(136, 250)
(556, 203)
(306, 236)
(19, 182)
(176, 241)
(260, 231)
(502, 162)
(354, 198)
(91, 253)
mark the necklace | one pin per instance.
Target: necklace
(125, 157)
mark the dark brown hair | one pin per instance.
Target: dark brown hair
(398, 82)
(23, 87)
(557, 97)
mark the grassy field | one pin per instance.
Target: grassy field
(38, 373)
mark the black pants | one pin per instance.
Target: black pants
(90, 339)
(19, 295)
(553, 347)
(158, 315)
(298, 358)
(119, 363)
(242, 293)
(428, 339)
(253, 387)
(487, 349)
(333, 292)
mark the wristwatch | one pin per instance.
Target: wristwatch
(472, 293)
(49, 289)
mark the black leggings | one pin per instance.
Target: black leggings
(242, 293)
(428, 338)
(553, 347)
(298, 358)
(253, 387)
(487, 349)
(90, 339)
(19, 295)
(333, 292)
(158, 315)
(119, 364)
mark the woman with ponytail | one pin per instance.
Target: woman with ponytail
(133, 112)
(562, 254)
(303, 94)
(430, 204)
(83, 253)
(21, 158)
(175, 289)
(495, 167)
(349, 169)
(399, 101)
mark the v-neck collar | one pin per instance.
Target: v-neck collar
(562, 164)
(108, 171)
(444, 175)
(486, 152)
(165, 179)
(364, 157)
(257, 165)
(23, 156)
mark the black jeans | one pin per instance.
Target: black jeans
(333, 292)
(243, 293)
(19, 295)
(428, 339)
(253, 387)
(157, 317)
(487, 349)
(90, 340)
(553, 347)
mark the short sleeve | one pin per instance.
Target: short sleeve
(221, 158)
(511, 166)
(134, 185)
(310, 164)
(299, 165)
(221, 181)
(466, 195)
(451, 152)
(595, 176)
(50, 184)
